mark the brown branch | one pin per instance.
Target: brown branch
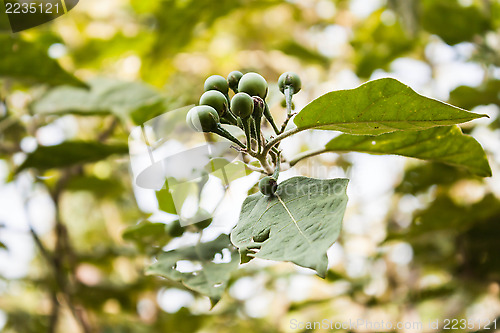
(64, 249)
(109, 131)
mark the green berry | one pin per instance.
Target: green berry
(233, 79)
(175, 229)
(242, 105)
(203, 118)
(268, 185)
(216, 82)
(289, 79)
(215, 99)
(253, 84)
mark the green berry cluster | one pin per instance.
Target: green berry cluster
(245, 109)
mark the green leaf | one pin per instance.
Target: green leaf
(420, 178)
(70, 153)
(377, 107)
(3, 246)
(26, 61)
(165, 200)
(452, 29)
(469, 97)
(211, 280)
(294, 49)
(298, 224)
(377, 44)
(101, 188)
(147, 234)
(134, 99)
(440, 144)
(443, 214)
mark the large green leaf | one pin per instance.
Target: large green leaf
(298, 224)
(26, 61)
(377, 107)
(441, 144)
(137, 100)
(70, 153)
(211, 280)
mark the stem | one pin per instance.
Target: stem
(258, 135)
(253, 133)
(258, 111)
(54, 315)
(265, 165)
(270, 119)
(280, 137)
(276, 172)
(224, 133)
(288, 98)
(63, 246)
(109, 131)
(251, 167)
(287, 120)
(307, 154)
(247, 124)
(230, 118)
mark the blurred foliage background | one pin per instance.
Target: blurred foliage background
(420, 240)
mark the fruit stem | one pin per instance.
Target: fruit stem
(265, 165)
(253, 132)
(276, 172)
(246, 125)
(270, 119)
(230, 118)
(258, 137)
(288, 98)
(224, 133)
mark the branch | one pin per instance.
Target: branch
(280, 137)
(307, 154)
(251, 167)
(107, 132)
(64, 250)
(285, 123)
(54, 315)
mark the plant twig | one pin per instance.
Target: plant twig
(307, 154)
(285, 122)
(109, 131)
(251, 167)
(265, 165)
(54, 315)
(280, 137)
(63, 246)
